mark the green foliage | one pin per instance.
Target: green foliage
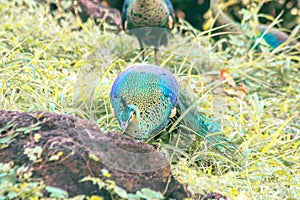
(34, 153)
(43, 64)
(144, 193)
(15, 183)
(5, 140)
(56, 192)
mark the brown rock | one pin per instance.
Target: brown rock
(132, 164)
(95, 9)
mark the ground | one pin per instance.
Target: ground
(48, 66)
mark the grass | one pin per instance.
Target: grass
(50, 67)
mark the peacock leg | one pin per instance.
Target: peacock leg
(142, 47)
(156, 54)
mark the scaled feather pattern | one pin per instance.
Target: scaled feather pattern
(142, 98)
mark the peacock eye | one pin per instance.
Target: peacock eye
(132, 116)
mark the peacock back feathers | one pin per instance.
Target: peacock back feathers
(143, 97)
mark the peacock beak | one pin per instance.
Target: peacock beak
(124, 125)
(131, 118)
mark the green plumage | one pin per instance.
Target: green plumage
(149, 93)
(144, 98)
(149, 21)
(198, 123)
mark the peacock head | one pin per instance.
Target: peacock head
(129, 115)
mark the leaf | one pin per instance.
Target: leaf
(95, 197)
(227, 77)
(230, 91)
(149, 194)
(5, 140)
(54, 157)
(275, 136)
(78, 197)
(242, 88)
(37, 137)
(56, 192)
(12, 195)
(296, 145)
(33, 153)
(26, 130)
(106, 173)
(93, 157)
(121, 192)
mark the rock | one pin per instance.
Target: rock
(95, 9)
(132, 164)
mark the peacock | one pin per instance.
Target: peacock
(149, 21)
(145, 97)
(274, 37)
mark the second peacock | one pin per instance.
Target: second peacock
(149, 21)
